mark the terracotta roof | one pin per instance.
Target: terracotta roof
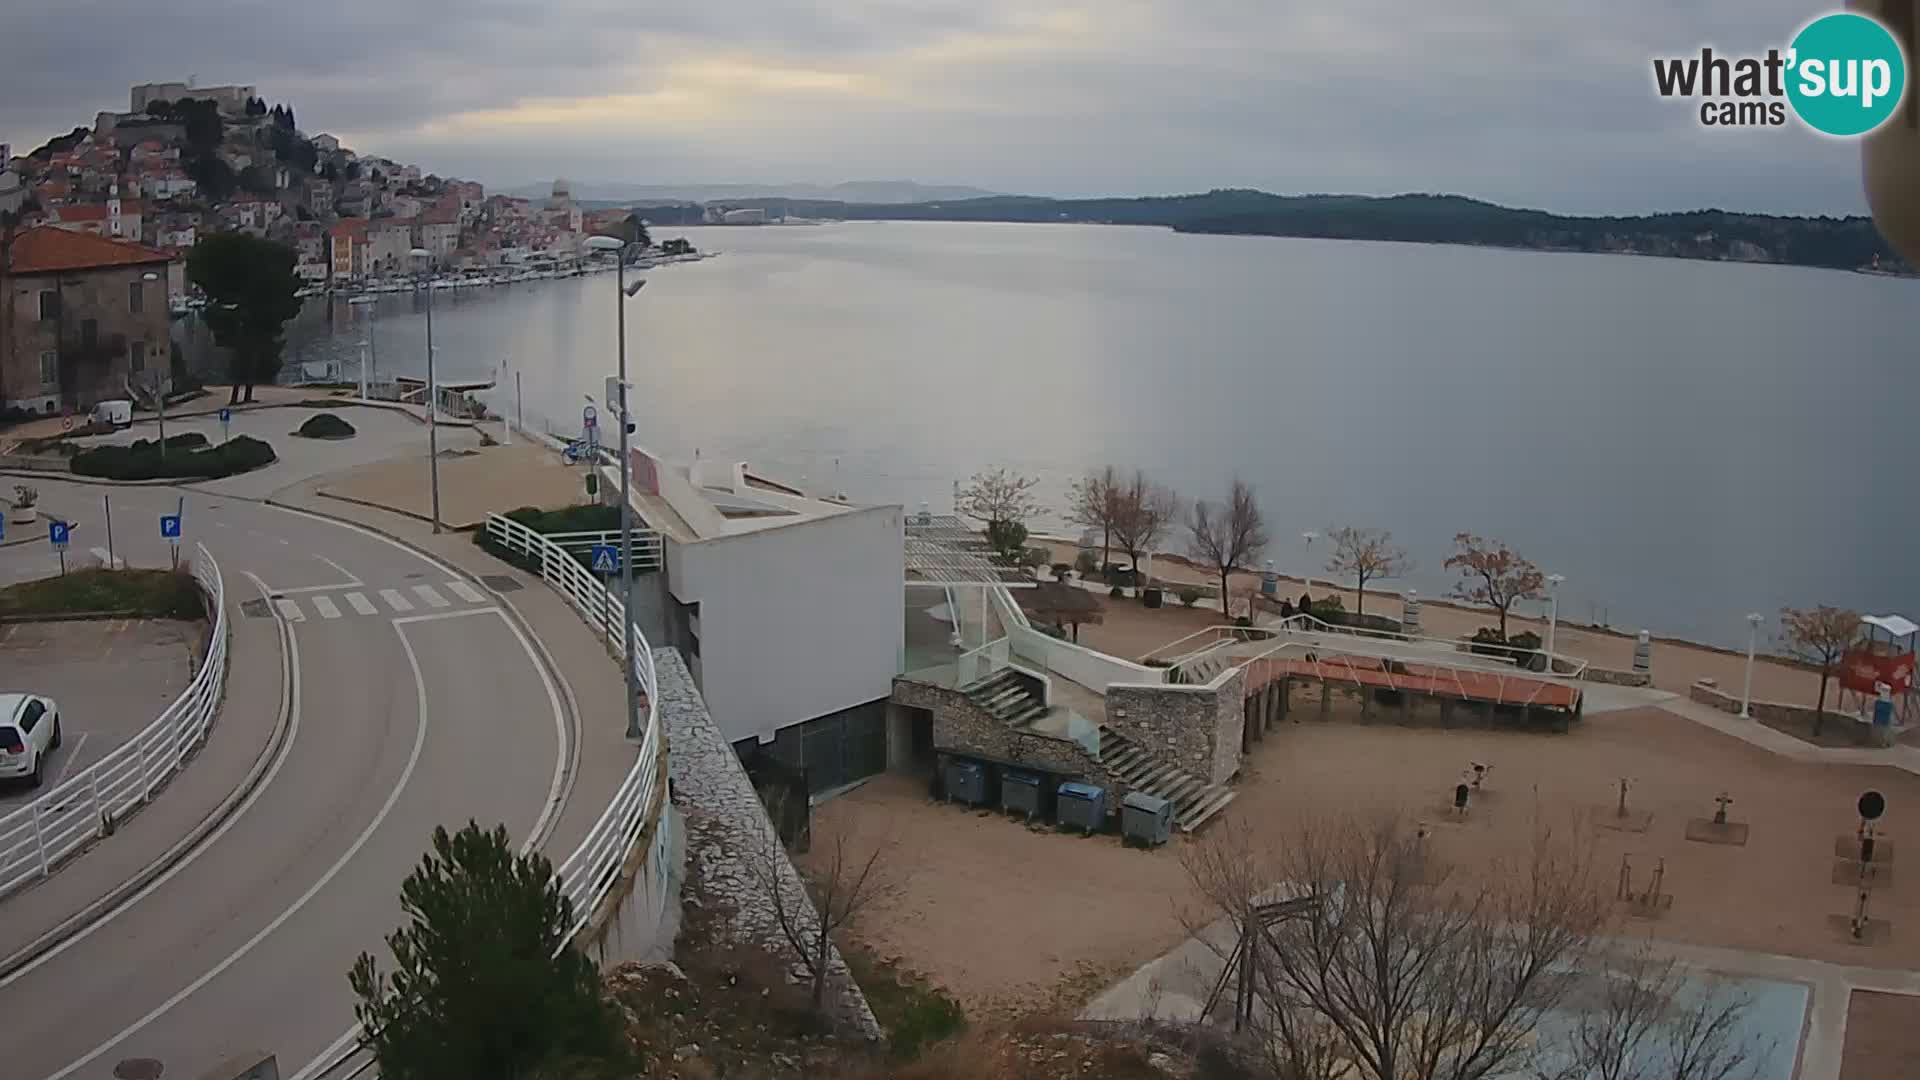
(49, 249)
(82, 212)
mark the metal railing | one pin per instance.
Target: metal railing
(588, 875)
(89, 804)
(1498, 657)
(648, 548)
(983, 660)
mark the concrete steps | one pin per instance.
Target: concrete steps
(1004, 696)
(1194, 800)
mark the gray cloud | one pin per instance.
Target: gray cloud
(1548, 104)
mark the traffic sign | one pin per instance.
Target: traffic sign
(606, 560)
(226, 415)
(589, 416)
(57, 533)
(169, 526)
(3, 528)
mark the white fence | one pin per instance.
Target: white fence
(588, 875)
(34, 838)
(648, 548)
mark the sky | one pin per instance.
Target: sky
(1544, 103)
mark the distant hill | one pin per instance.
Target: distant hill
(1849, 243)
(883, 192)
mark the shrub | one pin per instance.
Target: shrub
(1008, 538)
(143, 460)
(186, 440)
(151, 594)
(1085, 564)
(1061, 570)
(325, 426)
(1189, 596)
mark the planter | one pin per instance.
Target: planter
(1152, 597)
(22, 515)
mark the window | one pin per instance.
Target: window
(49, 305)
(10, 740)
(135, 298)
(89, 333)
(49, 368)
(137, 356)
(30, 716)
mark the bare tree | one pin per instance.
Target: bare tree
(1365, 555)
(1820, 636)
(1143, 512)
(1492, 575)
(997, 496)
(1399, 968)
(1225, 535)
(1643, 1016)
(1093, 502)
(848, 875)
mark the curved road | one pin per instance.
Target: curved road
(413, 702)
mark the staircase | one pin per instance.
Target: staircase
(1200, 668)
(1194, 800)
(1006, 697)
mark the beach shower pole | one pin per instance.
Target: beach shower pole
(1753, 640)
(1554, 581)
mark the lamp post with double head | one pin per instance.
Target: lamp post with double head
(622, 292)
(1554, 581)
(1754, 620)
(422, 258)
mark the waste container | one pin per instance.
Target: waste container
(967, 782)
(1082, 806)
(1020, 792)
(1146, 818)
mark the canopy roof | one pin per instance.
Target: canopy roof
(1898, 625)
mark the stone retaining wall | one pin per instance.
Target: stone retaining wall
(1197, 728)
(726, 824)
(1707, 692)
(960, 726)
(1620, 678)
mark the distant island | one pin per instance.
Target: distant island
(885, 192)
(1849, 243)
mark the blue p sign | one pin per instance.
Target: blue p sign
(169, 526)
(226, 415)
(57, 533)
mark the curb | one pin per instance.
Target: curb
(87, 916)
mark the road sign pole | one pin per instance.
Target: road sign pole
(108, 501)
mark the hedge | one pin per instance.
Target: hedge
(150, 594)
(143, 461)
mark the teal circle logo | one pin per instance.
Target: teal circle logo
(1846, 74)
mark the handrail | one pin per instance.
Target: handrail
(588, 874)
(1309, 624)
(91, 803)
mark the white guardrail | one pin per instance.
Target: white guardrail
(588, 875)
(34, 838)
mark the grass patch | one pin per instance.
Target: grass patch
(915, 1013)
(143, 459)
(147, 594)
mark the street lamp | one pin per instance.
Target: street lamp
(424, 258)
(1754, 620)
(160, 378)
(1309, 536)
(622, 293)
(1554, 581)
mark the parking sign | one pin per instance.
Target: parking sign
(57, 533)
(169, 526)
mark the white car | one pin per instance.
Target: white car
(29, 731)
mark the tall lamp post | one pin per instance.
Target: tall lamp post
(1753, 640)
(423, 259)
(1554, 581)
(1309, 536)
(622, 292)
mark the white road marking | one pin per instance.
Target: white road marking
(290, 690)
(67, 760)
(290, 610)
(395, 600)
(466, 592)
(324, 605)
(360, 604)
(556, 797)
(406, 774)
(344, 572)
(432, 596)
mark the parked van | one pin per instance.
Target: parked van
(118, 413)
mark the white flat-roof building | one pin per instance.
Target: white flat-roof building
(786, 605)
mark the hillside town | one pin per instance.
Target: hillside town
(184, 161)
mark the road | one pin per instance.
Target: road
(414, 702)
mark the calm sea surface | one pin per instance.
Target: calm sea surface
(1684, 441)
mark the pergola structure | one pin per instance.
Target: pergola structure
(944, 552)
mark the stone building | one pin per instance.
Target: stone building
(79, 314)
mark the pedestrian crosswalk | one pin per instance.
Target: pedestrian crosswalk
(377, 602)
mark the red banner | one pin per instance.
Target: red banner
(1862, 669)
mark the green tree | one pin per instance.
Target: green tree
(250, 287)
(634, 231)
(485, 982)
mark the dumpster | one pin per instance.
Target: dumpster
(1082, 806)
